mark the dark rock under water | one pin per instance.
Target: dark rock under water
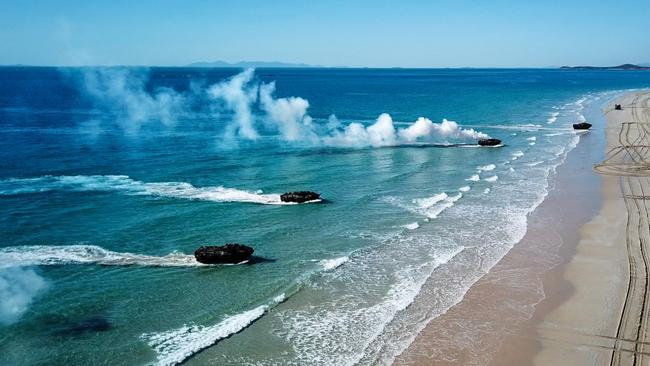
(75, 327)
(229, 253)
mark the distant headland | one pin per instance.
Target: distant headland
(619, 67)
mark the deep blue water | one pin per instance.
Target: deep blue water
(110, 178)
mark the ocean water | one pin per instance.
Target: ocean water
(111, 178)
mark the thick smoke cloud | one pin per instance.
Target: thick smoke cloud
(238, 96)
(18, 288)
(384, 133)
(288, 115)
(251, 107)
(122, 93)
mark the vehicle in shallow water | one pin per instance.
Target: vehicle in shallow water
(300, 196)
(229, 253)
(489, 142)
(581, 126)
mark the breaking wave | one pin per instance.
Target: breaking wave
(174, 346)
(351, 327)
(486, 168)
(431, 207)
(516, 155)
(127, 185)
(330, 264)
(412, 226)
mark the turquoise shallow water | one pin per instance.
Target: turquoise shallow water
(109, 179)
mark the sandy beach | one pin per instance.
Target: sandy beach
(574, 290)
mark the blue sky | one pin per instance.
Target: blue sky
(332, 33)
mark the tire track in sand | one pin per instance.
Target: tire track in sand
(631, 162)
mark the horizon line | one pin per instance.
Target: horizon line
(234, 66)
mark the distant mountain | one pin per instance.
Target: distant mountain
(619, 67)
(645, 64)
(244, 64)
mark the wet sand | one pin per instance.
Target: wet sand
(573, 291)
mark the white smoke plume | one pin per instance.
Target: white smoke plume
(18, 288)
(238, 96)
(384, 133)
(381, 133)
(423, 128)
(252, 107)
(123, 92)
(287, 115)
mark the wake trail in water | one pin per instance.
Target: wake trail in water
(174, 346)
(46, 255)
(127, 185)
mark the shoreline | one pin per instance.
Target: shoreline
(572, 238)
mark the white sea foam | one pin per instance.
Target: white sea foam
(529, 127)
(474, 178)
(430, 201)
(44, 255)
(174, 346)
(533, 138)
(553, 117)
(412, 226)
(492, 178)
(486, 191)
(338, 333)
(126, 185)
(330, 264)
(535, 163)
(531, 144)
(486, 168)
(556, 134)
(431, 207)
(464, 189)
(516, 155)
